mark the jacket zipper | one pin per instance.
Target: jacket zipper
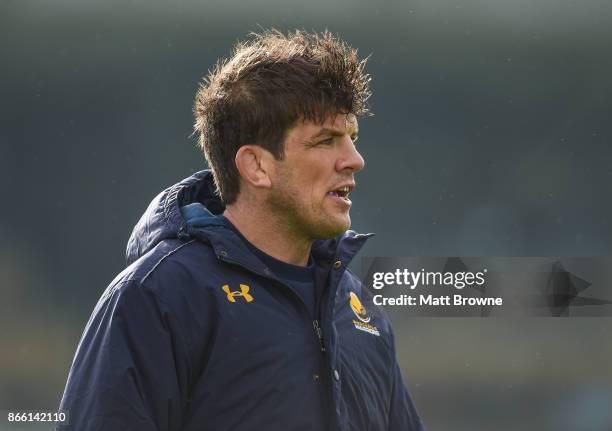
(319, 333)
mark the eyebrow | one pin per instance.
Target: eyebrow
(332, 132)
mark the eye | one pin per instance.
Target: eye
(327, 141)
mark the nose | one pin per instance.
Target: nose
(350, 158)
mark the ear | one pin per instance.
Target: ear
(252, 162)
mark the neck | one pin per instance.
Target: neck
(269, 234)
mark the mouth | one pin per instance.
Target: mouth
(341, 194)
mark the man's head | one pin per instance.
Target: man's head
(274, 102)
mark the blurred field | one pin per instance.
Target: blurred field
(491, 138)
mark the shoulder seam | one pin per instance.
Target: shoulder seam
(174, 250)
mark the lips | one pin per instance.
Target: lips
(341, 193)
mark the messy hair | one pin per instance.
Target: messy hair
(271, 82)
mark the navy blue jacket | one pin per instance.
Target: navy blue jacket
(197, 334)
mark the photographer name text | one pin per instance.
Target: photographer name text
(443, 300)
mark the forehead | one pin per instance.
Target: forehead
(341, 124)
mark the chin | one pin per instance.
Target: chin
(332, 227)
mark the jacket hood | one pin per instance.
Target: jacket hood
(163, 219)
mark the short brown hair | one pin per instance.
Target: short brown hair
(270, 83)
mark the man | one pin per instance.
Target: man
(237, 310)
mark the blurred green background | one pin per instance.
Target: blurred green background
(492, 137)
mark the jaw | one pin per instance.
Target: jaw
(308, 220)
(334, 221)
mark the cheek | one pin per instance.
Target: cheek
(312, 192)
(312, 182)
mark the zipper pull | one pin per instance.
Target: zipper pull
(319, 333)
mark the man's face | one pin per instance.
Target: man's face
(310, 186)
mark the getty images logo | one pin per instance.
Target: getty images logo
(414, 279)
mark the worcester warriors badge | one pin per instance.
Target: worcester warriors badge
(363, 324)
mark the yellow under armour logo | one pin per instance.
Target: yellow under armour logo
(244, 292)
